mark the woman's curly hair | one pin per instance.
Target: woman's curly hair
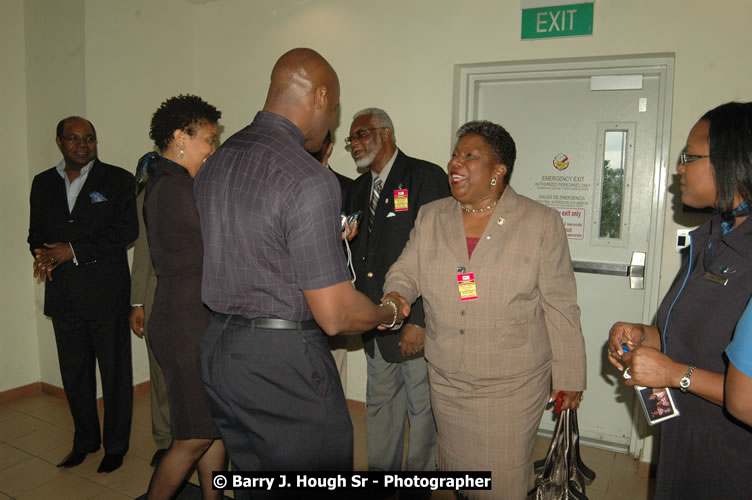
(184, 112)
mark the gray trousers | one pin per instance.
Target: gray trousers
(396, 391)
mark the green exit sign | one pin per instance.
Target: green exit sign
(557, 21)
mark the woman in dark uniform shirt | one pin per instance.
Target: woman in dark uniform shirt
(704, 453)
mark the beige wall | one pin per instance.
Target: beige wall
(55, 88)
(19, 349)
(122, 58)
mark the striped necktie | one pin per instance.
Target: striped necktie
(377, 184)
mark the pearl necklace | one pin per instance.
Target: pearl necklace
(479, 210)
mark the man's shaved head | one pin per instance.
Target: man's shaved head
(304, 88)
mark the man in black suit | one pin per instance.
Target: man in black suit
(83, 215)
(390, 195)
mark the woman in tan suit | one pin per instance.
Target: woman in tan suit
(503, 330)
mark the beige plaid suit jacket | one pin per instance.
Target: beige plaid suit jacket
(526, 314)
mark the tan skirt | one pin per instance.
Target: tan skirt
(489, 425)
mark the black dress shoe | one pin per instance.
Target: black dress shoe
(110, 462)
(74, 458)
(158, 456)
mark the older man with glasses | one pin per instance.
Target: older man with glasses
(390, 193)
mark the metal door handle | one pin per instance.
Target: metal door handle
(635, 270)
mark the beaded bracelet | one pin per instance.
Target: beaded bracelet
(394, 319)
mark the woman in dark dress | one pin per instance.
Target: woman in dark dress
(184, 129)
(705, 453)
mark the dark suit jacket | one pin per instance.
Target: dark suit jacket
(373, 253)
(143, 277)
(102, 224)
(344, 184)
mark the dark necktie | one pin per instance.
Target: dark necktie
(377, 184)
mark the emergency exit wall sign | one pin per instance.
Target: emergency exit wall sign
(549, 19)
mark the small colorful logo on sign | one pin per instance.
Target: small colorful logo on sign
(561, 161)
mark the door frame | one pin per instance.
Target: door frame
(468, 77)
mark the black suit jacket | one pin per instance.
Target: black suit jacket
(373, 253)
(344, 184)
(100, 227)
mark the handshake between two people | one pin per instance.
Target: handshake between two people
(400, 307)
(412, 336)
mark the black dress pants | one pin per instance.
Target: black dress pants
(80, 344)
(276, 398)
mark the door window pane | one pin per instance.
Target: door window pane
(612, 192)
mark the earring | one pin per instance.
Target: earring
(493, 182)
(181, 154)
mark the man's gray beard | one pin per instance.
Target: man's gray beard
(366, 161)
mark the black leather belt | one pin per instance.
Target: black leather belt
(267, 323)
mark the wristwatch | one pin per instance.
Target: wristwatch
(686, 380)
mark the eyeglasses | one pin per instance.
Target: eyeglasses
(360, 135)
(75, 139)
(684, 158)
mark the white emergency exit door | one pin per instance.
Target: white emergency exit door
(592, 141)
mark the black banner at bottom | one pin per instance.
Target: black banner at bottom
(334, 481)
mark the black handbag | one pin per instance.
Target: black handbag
(562, 475)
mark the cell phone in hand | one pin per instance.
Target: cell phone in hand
(352, 218)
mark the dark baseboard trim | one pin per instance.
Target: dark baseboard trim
(356, 405)
(646, 469)
(58, 392)
(143, 387)
(20, 392)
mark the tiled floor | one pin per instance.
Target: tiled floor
(36, 432)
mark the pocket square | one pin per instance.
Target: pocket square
(391, 214)
(97, 197)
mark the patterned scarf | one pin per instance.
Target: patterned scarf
(145, 164)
